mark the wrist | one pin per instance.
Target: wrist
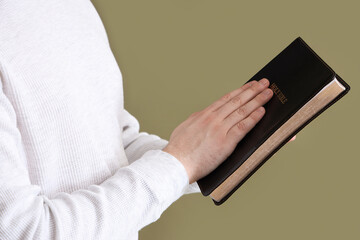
(182, 160)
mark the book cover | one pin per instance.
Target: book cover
(296, 75)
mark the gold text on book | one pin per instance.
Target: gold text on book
(278, 93)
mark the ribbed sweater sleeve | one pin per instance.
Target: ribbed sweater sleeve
(117, 208)
(136, 143)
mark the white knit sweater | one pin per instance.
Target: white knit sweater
(73, 164)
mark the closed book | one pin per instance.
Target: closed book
(304, 86)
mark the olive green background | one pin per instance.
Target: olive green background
(177, 57)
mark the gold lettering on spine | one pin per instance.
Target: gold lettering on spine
(279, 94)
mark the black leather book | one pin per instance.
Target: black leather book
(304, 86)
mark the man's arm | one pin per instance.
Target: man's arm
(137, 143)
(133, 197)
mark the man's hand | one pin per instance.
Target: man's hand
(204, 140)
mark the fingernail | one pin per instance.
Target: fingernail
(264, 81)
(267, 91)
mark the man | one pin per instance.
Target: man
(73, 164)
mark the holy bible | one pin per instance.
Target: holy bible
(304, 86)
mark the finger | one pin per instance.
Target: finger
(245, 110)
(292, 139)
(240, 129)
(242, 98)
(224, 99)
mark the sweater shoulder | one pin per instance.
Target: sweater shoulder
(34, 25)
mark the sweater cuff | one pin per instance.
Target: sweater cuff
(164, 174)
